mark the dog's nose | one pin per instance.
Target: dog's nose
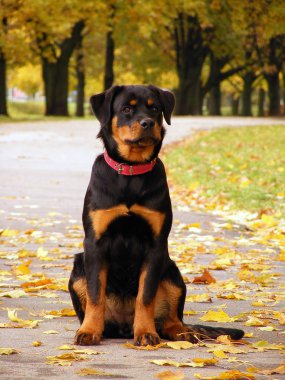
(147, 123)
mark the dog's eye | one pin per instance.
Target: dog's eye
(126, 110)
(154, 108)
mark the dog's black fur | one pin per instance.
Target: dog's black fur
(125, 284)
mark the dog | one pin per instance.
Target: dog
(124, 284)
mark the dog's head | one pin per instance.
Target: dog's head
(131, 121)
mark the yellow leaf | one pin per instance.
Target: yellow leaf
(9, 233)
(268, 220)
(50, 332)
(198, 363)
(17, 293)
(64, 359)
(281, 319)
(12, 315)
(267, 328)
(263, 345)
(199, 298)
(87, 351)
(165, 362)
(224, 339)
(228, 375)
(170, 375)
(225, 348)
(253, 321)
(92, 371)
(147, 348)
(8, 351)
(179, 345)
(278, 370)
(66, 347)
(220, 354)
(22, 269)
(63, 313)
(281, 256)
(37, 343)
(41, 252)
(212, 361)
(216, 316)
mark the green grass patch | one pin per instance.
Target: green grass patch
(32, 110)
(241, 167)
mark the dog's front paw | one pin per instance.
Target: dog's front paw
(146, 339)
(86, 338)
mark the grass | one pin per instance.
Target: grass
(33, 111)
(243, 168)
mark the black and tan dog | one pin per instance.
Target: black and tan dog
(125, 284)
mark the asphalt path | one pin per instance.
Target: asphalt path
(44, 171)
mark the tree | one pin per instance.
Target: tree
(3, 69)
(55, 29)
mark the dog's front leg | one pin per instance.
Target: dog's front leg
(144, 325)
(91, 330)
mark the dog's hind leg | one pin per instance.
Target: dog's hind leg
(171, 298)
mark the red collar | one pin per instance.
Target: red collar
(126, 169)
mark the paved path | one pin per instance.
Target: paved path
(44, 172)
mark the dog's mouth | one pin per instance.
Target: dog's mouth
(142, 141)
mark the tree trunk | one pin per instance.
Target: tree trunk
(248, 80)
(215, 100)
(261, 101)
(191, 51)
(276, 58)
(188, 95)
(109, 60)
(49, 74)
(55, 75)
(80, 74)
(3, 84)
(273, 93)
(235, 105)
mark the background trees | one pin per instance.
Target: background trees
(210, 53)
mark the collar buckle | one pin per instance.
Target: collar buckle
(120, 168)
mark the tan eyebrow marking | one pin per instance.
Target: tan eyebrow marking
(133, 102)
(150, 102)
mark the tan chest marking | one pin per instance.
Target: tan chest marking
(154, 218)
(101, 219)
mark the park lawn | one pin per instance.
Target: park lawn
(240, 168)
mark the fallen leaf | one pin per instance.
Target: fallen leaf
(170, 375)
(278, 370)
(64, 359)
(12, 315)
(205, 278)
(263, 345)
(216, 316)
(50, 332)
(92, 371)
(179, 345)
(17, 293)
(253, 321)
(228, 375)
(8, 351)
(147, 348)
(224, 339)
(37, 343)
(199, 298)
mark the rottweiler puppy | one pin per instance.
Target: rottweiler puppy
(125, 284)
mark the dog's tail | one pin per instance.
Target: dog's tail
(208, 332)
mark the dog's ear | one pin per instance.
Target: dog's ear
(167, 100)
(102, 104)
